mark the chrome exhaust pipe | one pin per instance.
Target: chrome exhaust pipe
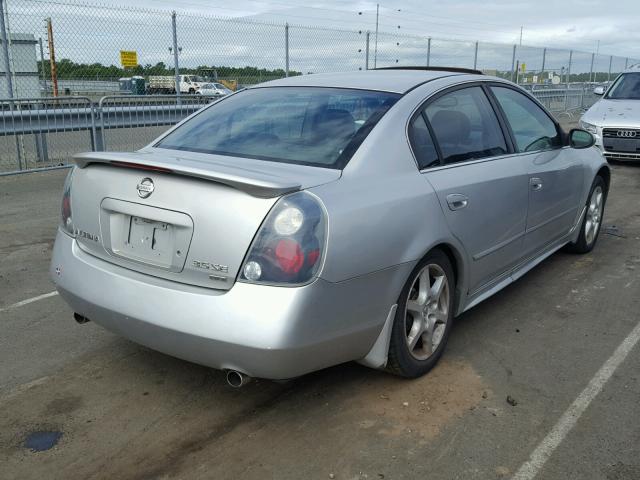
(236, 379)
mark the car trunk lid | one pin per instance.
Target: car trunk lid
(178, 217)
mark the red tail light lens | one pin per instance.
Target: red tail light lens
(289, 256)
(289, 245)
(65, 211)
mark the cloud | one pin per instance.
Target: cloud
(331, 35)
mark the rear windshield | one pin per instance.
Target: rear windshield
(305, 125)
(626, 87)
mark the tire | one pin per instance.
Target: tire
(592, 221)
(434, 322)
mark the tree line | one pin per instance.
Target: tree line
(69, 70)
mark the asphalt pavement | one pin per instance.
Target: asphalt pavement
(101, 407)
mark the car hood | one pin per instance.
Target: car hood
(621, 113)
(259, 178)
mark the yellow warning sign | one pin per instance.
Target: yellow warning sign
(523, 67)
(129, 58)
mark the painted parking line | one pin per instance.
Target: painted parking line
(570, 417)
(28, 301)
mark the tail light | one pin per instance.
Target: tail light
(66, 214)
(289, 246)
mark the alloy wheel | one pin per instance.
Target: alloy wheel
(427, 311)
(594, 215)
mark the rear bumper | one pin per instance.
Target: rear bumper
(263, 331)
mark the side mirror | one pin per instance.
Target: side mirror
(579, 138)
(599, 90)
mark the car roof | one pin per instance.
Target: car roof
(396, 81)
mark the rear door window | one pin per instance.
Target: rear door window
(465, 126)
(532, 128)
(422, 143)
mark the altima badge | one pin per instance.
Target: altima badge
(145, 187)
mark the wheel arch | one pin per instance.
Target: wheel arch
(605, 173)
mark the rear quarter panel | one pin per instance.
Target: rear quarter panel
(382, 212)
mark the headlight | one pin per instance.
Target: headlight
(289, 246)
(589, 127)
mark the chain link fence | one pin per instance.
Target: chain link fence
(72, 51)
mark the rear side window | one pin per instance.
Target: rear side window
(465, 126)
(422, 143)
(531, 126)
(305, 125)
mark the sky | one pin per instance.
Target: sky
(565, 24)
(330, 35)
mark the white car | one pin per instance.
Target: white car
(213, 90)
(615, 119)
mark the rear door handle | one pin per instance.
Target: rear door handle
(457, 201)
(536, 183)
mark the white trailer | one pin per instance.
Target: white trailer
(189, 84)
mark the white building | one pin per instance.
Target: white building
(24, 67)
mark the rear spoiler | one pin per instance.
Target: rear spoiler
(252, 181)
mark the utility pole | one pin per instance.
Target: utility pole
(5, 51)
(176, 68)
(375, 51)
(52, 58)
(521, 35)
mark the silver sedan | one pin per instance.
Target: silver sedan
(325, 218)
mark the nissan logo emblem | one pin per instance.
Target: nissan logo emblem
(626, 133)
(145, 187)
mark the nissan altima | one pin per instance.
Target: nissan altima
(326, 218)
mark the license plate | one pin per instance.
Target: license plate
(148, 239)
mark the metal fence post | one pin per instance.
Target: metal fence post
(513, 62)
(566, 91)
(44, 72)
(593, 56)
(286, 49)
(626, 63)
(609, 74)
(97, 132)
(366, 60)
(5, 51)
(544, 61)
(7, 73)
(475, 57)
(175, 54)
(428, 51)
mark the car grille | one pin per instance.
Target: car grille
(621, 140)
(621, 156)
